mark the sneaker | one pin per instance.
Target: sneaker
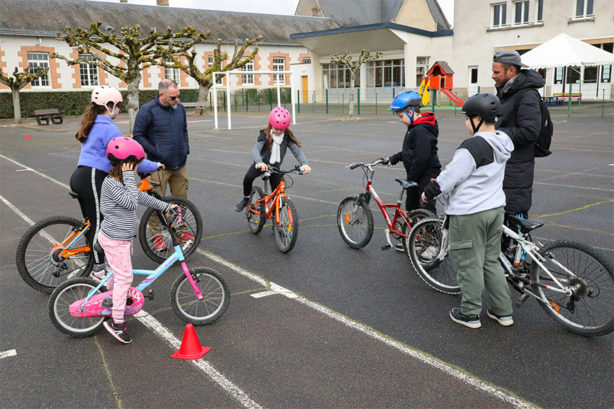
(98, 275)
(159, 244)
(118, 331)
(471, 321)
(505, 320)
(429, 253)
(185, 236)
(242, 204)
(399, 247)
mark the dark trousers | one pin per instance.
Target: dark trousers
(412, 199)
(87, 182)
(251, 175)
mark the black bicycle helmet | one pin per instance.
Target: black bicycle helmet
(486, 106)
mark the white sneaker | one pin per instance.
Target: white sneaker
(430, 253)
(98, 276)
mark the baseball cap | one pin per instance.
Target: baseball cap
(508, 57)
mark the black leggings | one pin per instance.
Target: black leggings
(87, 182)
(251, 175)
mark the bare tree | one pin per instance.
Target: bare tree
(204, 78)
(17, 81)
(133, 51)
(353, 65)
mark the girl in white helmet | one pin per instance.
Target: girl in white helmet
(96, 131)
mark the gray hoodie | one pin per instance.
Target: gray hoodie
(473, 181)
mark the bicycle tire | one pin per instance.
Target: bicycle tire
(206, 311)
(192, 224)
(254, 221)
(414, 217)
(426, 236)
(286, 232)
(583, 313)
(62, 297)
(37, 257)
(355, 222)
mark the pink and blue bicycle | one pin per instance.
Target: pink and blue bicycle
(199, 296)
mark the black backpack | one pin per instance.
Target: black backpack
(544, 139)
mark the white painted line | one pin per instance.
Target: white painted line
(16, 210)
(234, 391)
(264, 294)
(35, 171)
(238, 394)
(420, 356)
(6, 354)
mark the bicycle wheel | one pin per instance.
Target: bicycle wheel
(414, 217)
(62, 297)
(355, 222)
(286, 232)
(589, 310)
(431, 262)
(255, 221)
(211, 285)
(155, 238)
(38, 258)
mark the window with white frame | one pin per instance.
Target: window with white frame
(584, 8)
(606, 73)
(219, 77)
(474, 75)
(338, 76)
(499, 14)
(558, 75)
(422, 66)
(386, 73)
(540, 11)
(306, 60)
(248, 79)
(39, 60)
(171, 73)
(88, 72)
(279, 64)
(521, 12)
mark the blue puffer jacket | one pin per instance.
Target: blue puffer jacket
(163, 132)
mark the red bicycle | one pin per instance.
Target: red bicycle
(355, 219)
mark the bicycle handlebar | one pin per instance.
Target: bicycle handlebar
(274, 169)
(354, 165)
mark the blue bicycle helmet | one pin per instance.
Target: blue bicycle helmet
(406, 99)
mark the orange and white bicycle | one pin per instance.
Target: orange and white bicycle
(277, 206)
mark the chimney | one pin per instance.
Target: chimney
(162, 3)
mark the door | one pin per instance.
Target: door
(472, 87)
(305, 97)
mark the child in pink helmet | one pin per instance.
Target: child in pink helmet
(96, 130)
(119, 199)
(270, 149)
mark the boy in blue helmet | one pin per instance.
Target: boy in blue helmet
(419, 152)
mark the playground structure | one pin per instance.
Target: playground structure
(439, 77)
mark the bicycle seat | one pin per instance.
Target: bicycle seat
(74, 195)
(406, 184)
(525, 225)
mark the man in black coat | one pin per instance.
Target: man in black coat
(521, 121)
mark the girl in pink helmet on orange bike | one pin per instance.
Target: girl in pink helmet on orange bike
(270, 149)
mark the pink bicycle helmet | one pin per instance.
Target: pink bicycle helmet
(279, 118)
(122, 149)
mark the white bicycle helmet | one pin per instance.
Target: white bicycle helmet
(104, 94)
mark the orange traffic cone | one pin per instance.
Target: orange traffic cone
(27, 136)
(190, 345)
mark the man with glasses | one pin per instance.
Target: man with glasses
(161, 127)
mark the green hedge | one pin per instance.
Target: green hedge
(69, 102)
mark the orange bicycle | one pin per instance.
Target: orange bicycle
(263, 206)
(57, 248)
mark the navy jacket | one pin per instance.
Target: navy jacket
(163, 132)
(520, 120)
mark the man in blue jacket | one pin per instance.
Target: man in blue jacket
(161, 128)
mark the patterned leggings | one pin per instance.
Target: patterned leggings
(119, 257)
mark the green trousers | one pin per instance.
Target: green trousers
(475, 244)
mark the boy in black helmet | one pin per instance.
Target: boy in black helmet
(473, 185)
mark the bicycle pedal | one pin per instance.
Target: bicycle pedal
(521, 300)
(150, 295)
(387, 246)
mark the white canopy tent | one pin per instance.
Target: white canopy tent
(566, 51)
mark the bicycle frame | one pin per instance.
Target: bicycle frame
(531, 249)
(66, 245)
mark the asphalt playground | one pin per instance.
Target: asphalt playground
(324, 326)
